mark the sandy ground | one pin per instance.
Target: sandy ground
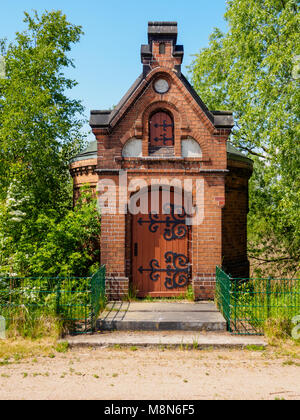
(152, 374)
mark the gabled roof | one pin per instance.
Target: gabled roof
(220, 119)
(102, 119)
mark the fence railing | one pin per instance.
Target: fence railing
(247, 304)
(76, 301)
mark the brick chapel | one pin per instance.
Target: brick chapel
(161, 131)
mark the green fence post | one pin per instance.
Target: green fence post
(58, 296)
(235, 300)
(229, 285)
(269, 297)
(97, 293)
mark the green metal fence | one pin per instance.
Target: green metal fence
(98, 296)
(76, 301)
(247, 304)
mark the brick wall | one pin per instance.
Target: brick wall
(116, 288)
(234, 220)
(84, 172)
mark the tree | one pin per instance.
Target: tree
(253, 69)
(39, 125)
(40, 130)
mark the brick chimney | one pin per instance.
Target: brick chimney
(162, 49)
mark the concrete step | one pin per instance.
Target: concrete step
(185, 340)
(161, 316)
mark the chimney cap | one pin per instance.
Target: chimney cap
(165, 31)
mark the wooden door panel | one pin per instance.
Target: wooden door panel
(161, 130)
(161, 266)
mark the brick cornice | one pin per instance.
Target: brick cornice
(80, 170)
(100, 131)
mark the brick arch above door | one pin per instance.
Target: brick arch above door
(182, 192)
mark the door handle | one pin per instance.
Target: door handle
(136, 249)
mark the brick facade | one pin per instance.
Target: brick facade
(221, 238)
(234, 220)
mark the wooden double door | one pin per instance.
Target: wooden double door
(160, 260)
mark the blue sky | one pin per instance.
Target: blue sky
(108, 56)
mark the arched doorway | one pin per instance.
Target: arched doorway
(160, 254)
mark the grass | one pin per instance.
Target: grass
(17, 349)
(195, 344)
(62, 347)
(133, 292)
(34, 324)
(255, 348)
(187, 296)
(190, 295)
(283, 348)
(32, 338)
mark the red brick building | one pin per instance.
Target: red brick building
(161, 134)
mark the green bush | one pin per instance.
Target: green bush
(50, 244)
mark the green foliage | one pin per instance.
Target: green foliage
(255, 348)
(190, 295)
(40, 130)
(49, 244)
(278, 328)
(39, 125)
(253, 69)
(62, 347)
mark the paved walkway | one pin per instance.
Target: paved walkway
(158, 316)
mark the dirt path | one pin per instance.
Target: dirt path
(152, 374)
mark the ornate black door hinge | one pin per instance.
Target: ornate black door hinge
(164, 125)
(176, 227)
(177, 271)
(164, 139)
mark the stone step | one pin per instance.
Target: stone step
(162, 307)
(161, 316)
(185, 340)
